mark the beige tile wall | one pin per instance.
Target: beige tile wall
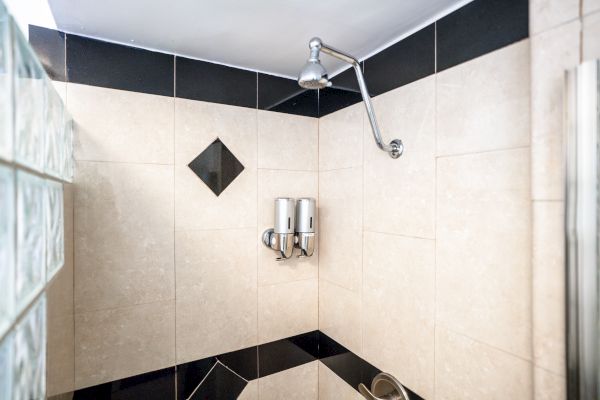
(434, 285)
(165, 271)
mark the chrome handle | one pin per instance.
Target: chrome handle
(384, 387)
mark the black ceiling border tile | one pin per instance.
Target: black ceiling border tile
(98, 63)
(346, 80)
(407, 61)
(215, 83)
(479, 28)
(284, 95)
(50, 47)
(155, 385)
(332, 99)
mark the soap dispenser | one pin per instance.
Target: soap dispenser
(281, 237)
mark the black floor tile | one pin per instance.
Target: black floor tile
(479, 28)
(97, 63)
(204, 81)
(156, 385)
(189, 375)
(219, 384)
(49, 46)
(287, 353)
(409, 60)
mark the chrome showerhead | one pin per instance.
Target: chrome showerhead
(313, 75)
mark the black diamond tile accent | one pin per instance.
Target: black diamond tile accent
(216, 166)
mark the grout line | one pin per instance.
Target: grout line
(124, 307)
(562, 24)
(174, 221)
(398, 234)
(203, 379)
(289, 170)
(236, 374)
(435, 206)
(257, 259)
(483, 152)
(127, 162)
(289, 282)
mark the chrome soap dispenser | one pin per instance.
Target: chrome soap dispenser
(281, 237)
(305, 226)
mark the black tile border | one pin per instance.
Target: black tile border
(473, 30)
(235, 369)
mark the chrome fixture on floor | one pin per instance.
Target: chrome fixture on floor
(384, 387)
(314, 76)
(294, 227)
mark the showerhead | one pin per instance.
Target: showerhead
(313, 75)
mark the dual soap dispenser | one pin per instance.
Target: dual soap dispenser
(294, 227)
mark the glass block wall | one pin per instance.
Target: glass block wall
(36, 159)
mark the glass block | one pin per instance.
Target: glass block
(7, 247)
(53, 154)
(55, 233)
(6, 98)
(31, 244)
(29, 95)
(30, 354)
(6, 366)
(67, 148)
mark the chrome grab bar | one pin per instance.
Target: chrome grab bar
(384, 387)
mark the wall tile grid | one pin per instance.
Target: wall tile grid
(470, 119)
(35, 214)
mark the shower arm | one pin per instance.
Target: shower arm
(395, 148)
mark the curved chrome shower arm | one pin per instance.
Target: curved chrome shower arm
(395, 148)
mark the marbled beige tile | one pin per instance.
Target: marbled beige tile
(287, 309)
(399, 286)
(549, 286)
(120, 125)
(298, 383)
(341, 138)
(287, 141)
(332, 387)
(548, 386)
(216, 292)
(547, 14)
(273, 184)
(589, 6)
(552, 53)
(483, 104)
(60, 353)
(340, 315)
(250, 392)
(400, 194)
(124, 242)
(197, 125)
(469, 370)
(483, 248)
(340, 226)
(591, 37)
(121, 342)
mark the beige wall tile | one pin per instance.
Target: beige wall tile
(549, 286)
(483, 104)
(250, 392)
(399, 286)
(273, 184)
(589, 6)
(546, 14)
(287, 141)
(119, 125)
(216, 292)
(552, 53)
(469, 370)
(298, 383)
(400, 193)
(340, 315)
(341, 138)
(197, 125)
(287, 309)
(60, 354)
(117, 343)
(61, 89)
(332, 387)
(591, 37)
(483, 248)
(340, 226)
(548, 386)
(123, 234)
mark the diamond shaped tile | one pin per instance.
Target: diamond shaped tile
(216, 166)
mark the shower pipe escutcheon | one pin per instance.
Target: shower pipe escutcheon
(314, 76)
(384, 387)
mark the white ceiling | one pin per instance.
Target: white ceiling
(264, 35)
